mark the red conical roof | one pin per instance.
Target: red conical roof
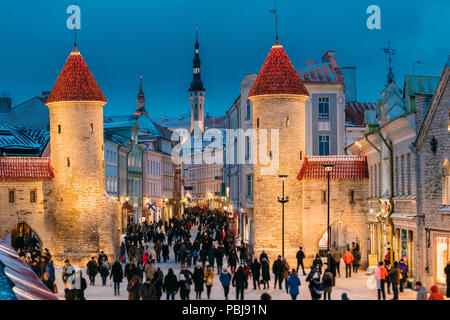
(76, 82)
(278, 76)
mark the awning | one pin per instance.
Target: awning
(27, 285)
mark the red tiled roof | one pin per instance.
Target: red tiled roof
(345, 167)
(75, 82)
(278, 76)
(25, 168)
(354, 112)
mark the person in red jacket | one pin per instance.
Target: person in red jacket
(435, 294)
(348, 260)
(381, 275)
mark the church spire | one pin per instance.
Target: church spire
(140, 100)
(196, 90)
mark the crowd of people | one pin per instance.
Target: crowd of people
(203, 245)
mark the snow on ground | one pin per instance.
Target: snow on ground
(355, 287)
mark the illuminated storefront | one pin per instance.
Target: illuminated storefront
(441, 257)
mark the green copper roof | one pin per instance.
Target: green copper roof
(420, 84)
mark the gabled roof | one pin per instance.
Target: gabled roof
(25, 168)
(321, 72)
(75, 82)
(345, 167)
(354, 112)
(31, 114)
(278, 76)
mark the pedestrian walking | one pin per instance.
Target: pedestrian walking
(265, 273)
(185, 287)
(327, 283)
(348, 260)
(117, 276)
(240, 282)
(134, 288)
(380, 276)
(447, 277)
(315, 286)
(170, 285)
(300, 256)
(292, 285)
(435, 294)
(318, 263)
(209, 276)
(147, 291)
(394, 277)
(225, 280)
(255, 269)
(285, 271)
(92, 270)
(277, 272)
(199, 280)
(421, 291)
(337, 255)
(403, 268)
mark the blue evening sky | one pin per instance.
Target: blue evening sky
(122, 39)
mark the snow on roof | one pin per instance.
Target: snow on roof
(321, 72)
(25, 168)
(16, 141)
(345, 167)
(31, 114)
(24, 283)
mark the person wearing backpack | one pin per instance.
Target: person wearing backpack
(184, 286)
(315, 286)
(327, 283)
(292, 285)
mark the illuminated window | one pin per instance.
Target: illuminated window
(59, 128)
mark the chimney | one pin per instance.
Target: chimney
(5, 104)
(350, 83)
(45, 95)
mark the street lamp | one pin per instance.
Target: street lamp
(282, 200)
(328, 167)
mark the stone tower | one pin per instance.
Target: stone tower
(197, 92)
(140, 100)
(85, 220)
(278, 96)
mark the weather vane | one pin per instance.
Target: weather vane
(274, 11)
(390, 52)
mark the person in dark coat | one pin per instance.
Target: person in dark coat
(165, 252)
(134, 288)
(315, 286)
(255, 268)
(170, 284)
(447, 276)
(104, 271)
(130, 270)
(232, 261)
(117, 276)
(199, 281)
(159, 283)
(317, 263)
(262, 256)
(148, 291)
(300, 256)
(240, 282)
(91, 270)
(394, 276)
(185, 287)
(265, 272)
(277, 272)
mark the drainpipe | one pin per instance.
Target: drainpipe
(377, 216)
(420, 218)
(391, 193)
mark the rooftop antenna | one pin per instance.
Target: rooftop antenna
(275, 11)
(390, 52)
(418, 62)
(196, 32)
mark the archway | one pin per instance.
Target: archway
(341, 237)
(23, 237)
